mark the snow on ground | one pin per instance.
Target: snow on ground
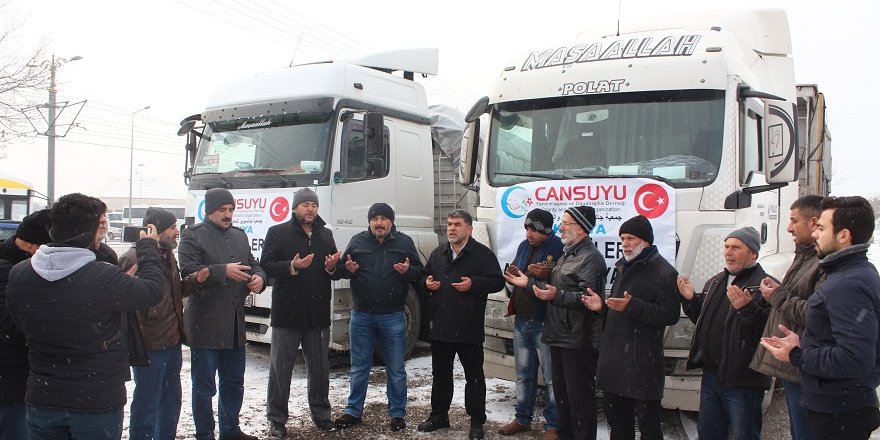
(500, 398)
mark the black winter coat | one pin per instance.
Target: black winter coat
(461, 316)
(78, 361)
(568, 323)
(300, 301)
(631, 349)
(741, 329)
(13, 350)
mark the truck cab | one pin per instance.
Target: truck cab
(702, 103)
(356, 131)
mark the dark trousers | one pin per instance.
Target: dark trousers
(156, 401)
(619, 411)
(471, 358)
(55, 424)
(853, 425)
(12, 421)
(206, 366)
(282, 358)
(574, 386)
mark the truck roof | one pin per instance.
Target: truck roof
(365, 79)
(764, 30)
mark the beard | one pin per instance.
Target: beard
(636, 252)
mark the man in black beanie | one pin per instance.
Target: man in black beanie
(381, 263)
(572, 331)
(71, 307)
(536, 256)
(300, 255)
(32, 232)
(155, 403)
(644, 300)
(214, 314)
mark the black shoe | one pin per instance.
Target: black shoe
(347, 421)
(277, 430)
(326, 425)
(434, 423)
(476, 432)
(237, 436)
(398, 424)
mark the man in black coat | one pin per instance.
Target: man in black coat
(644, 300)
(32, 232)
(729, 315)
(300, 256)
(71, 309)
(459, 276)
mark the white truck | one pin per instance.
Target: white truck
(703, 104)
(353, 131)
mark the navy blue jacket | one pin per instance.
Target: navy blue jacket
(376, 287)
(551, 247)
(839, 354)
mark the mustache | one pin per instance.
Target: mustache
(226, 219)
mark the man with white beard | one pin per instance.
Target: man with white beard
(644, 299)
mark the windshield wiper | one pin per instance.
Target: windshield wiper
(272, 171)
(216, 176)
(534, 174)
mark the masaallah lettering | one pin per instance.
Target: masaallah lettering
(262, 123)
(580, 192)
(642, 47)
(583, 88)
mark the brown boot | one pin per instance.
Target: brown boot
(551, 434)
(513, 427)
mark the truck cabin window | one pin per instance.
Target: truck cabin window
(357, 162)
(293, 144)
(675, 135)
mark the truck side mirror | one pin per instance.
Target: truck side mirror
(374, 131)
(781, 161)
(467, 164)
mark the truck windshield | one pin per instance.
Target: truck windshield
(674, 135)
(292, 144)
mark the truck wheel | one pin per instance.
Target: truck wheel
(412, 310)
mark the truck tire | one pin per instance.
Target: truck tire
(412, 310)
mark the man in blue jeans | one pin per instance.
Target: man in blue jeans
(535, 256)
(729, 315)
(381, 263)
(214, 314)
(155, 403)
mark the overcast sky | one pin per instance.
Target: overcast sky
(171, 55)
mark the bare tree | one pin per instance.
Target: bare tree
(22, 73)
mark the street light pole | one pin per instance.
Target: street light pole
(131, 161)
(50, 133)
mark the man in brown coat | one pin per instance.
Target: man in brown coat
(155, 404)
(789, 307)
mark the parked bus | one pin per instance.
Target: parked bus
(18, 198)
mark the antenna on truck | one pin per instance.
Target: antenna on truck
(619, 4)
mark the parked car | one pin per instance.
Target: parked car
(8, 228)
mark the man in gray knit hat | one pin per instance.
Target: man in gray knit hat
(729, 314)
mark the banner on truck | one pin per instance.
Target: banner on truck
(255, 212)
(615, 201)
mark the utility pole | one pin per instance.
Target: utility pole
(52, 65)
